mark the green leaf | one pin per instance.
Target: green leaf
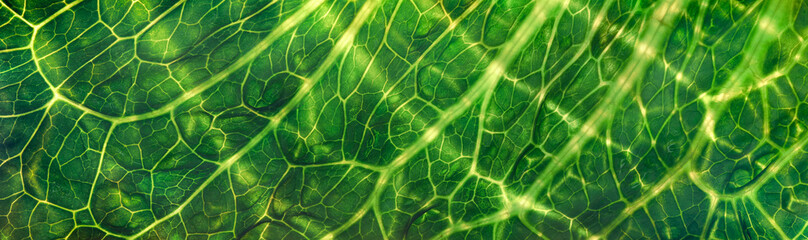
(403, 119)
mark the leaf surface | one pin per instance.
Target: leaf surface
(410, 119)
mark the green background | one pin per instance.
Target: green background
(403, 119)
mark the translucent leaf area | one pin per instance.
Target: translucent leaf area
(403, 119)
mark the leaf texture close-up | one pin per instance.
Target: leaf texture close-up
(403, 119)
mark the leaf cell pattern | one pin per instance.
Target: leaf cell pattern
(403, 119)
